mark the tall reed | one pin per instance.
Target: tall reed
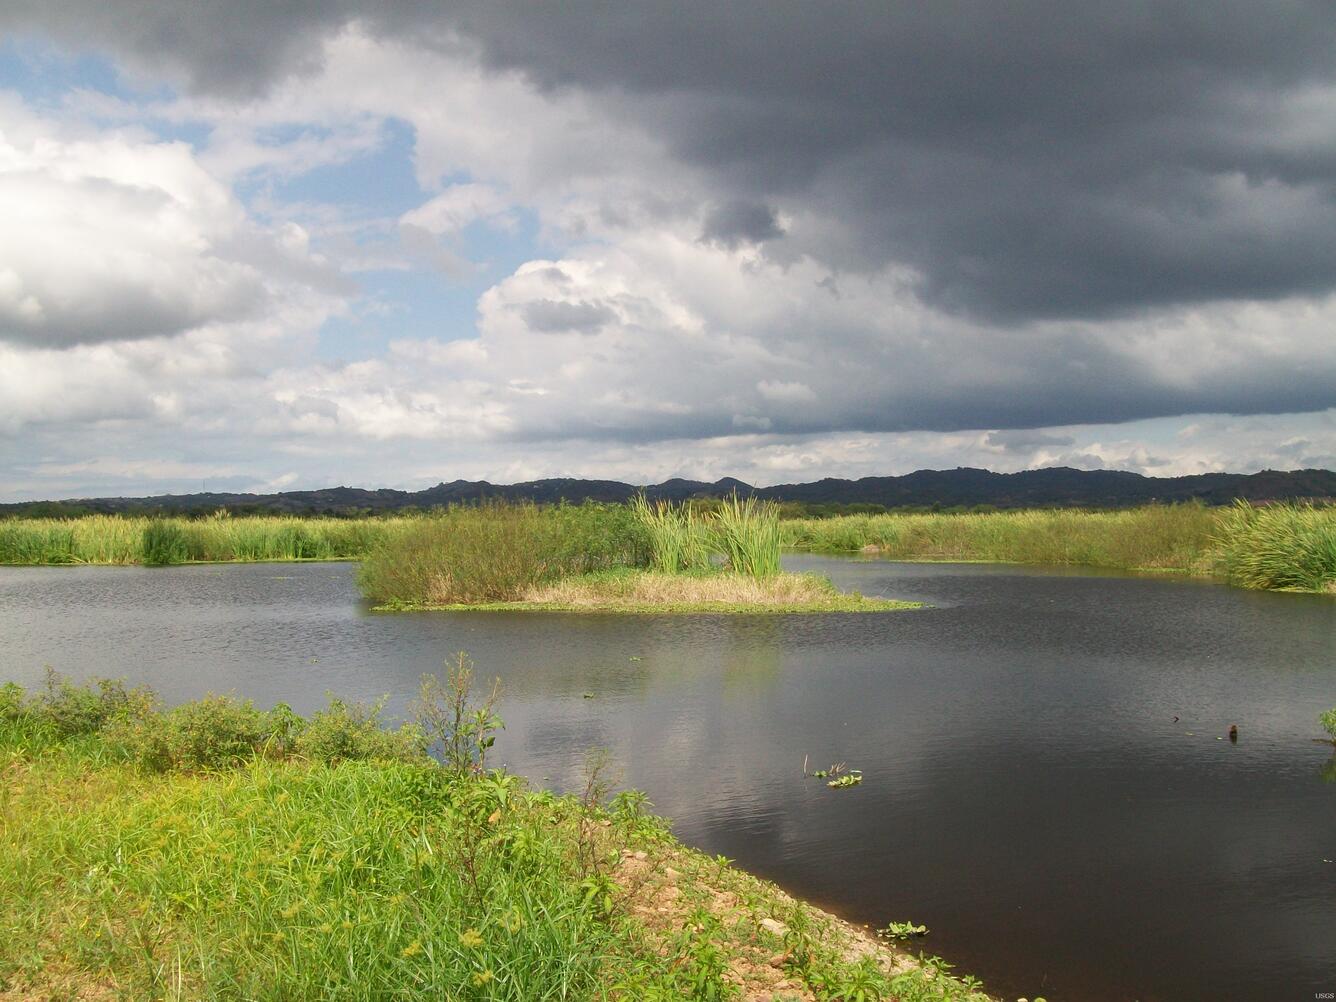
(1278, 546)
(679, 540)
(747, 532)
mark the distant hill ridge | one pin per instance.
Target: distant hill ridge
(1050, 487)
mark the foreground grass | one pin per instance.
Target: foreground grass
(630, 591)
(279, 876)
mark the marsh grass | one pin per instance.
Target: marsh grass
(747, 532)
(1162, 537)
(272, 876)
(114, 539)
(679, 540)
(164, 543)
(495, 552)
(1278, 546)
(654, 591)
(742, 530)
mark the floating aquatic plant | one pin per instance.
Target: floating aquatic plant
(902, 930)
(852, 778)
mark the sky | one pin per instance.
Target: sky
(257, 246)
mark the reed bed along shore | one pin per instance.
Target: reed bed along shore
(116, 539)
(495, 553)
(1290, 545)
(220, 851)
(1178, 537)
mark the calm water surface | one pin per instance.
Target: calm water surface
(1027, 793)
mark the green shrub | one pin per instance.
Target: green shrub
(220, 732)
(11, 701)
(1328, 720)
(216, 732)
(456, 728)
(345, 732)
(71, 709)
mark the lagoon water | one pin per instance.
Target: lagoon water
(1028, 794)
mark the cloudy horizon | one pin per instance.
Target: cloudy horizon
(258, 247)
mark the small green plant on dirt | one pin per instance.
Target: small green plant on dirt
(630, 810)
(700, 964)
(860, 982)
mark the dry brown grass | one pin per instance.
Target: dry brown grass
(675, 592)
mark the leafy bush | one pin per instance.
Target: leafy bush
(346, 732)
(71, 709)
(1328, 720)
(11, 701)
(216, 732)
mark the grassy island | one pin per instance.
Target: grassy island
(220, 851)
(638, 558)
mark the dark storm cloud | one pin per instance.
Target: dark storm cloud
(738, 221)
(1028, 159)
